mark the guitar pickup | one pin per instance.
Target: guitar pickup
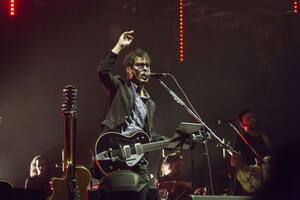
(126, 151)
(138, 148)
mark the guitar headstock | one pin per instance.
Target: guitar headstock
(69, 106)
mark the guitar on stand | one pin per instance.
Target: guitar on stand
(73, 185)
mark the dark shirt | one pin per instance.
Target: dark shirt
(258, 143)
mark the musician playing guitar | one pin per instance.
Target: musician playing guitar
(130, 106)
(246, 162)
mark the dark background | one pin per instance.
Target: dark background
(236, 56)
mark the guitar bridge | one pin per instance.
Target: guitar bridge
(105, 155)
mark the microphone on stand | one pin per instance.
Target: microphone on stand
(158, 75)
(225, 121)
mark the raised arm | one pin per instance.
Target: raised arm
(125, 40)
(106, 65)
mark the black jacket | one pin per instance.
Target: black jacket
(121, 98)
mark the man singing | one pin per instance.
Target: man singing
(130, 106)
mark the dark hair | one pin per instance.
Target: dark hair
(130, 57)
(243, 113)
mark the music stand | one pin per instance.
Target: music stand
(196, 133)
(189, 128)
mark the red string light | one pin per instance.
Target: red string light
(295, 7)
(12, 8)
(181, 34)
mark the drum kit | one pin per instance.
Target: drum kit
(169, 184)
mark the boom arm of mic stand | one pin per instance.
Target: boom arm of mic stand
(179, 101)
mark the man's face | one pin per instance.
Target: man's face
(249, 121)
(140, 70)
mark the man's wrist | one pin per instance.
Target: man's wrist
(117, 48)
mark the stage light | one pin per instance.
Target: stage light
(181, 33)
(11, 7)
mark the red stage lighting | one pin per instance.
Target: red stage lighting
(181, 44)
(295, 7)
(11, 8)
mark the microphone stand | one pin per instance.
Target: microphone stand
(206, 136)
(197, 119)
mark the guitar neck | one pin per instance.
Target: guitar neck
(155, 145)
(70, 141)
(69, 109)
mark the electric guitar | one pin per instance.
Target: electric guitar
(115, 151)
(73, 185)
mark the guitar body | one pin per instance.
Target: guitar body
(61, 185)
(252, 177)
(116, 142)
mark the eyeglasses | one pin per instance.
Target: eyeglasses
(141, 65)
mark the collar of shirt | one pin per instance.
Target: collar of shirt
(136, 89)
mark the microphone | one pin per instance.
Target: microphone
(225, 121)
(158, 75)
